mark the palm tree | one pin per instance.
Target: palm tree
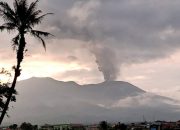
(22, 18)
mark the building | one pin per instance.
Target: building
(92, 127)
(46, 127)
(63, 127)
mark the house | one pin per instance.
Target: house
(92, 127)
(46, 127)
(4, 128)
(63, 127)
(68, 127)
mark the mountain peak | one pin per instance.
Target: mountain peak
(40, 78)
(43, 100)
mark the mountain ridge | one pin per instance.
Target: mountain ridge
(45, 100)
(73, 82)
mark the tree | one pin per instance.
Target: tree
(22, 18)
(26, 126)
(5, 89)
(13, 127)
(103, 125)
(4, 94)
(120, 126)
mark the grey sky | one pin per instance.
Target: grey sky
(138, 32)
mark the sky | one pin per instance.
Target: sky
(95, 40)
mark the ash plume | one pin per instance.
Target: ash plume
(106, 61)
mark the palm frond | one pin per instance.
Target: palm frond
(39, 38)
(21, 11)
(7, 13)
(23, 18)
(6, 7)
(31, 16)
(22, 4)
(38, 34)
(15, 41)
(8, 17)
(8, 28)
(32, 13)
(38, 20)
(41, 33)
(43, 42)
(10, 24)
(16, 5)
(33, 6)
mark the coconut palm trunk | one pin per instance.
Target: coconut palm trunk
(9, 97)
(22, 19)
(20, 55)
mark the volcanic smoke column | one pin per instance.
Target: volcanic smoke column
(106, 61)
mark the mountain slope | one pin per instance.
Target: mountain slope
(45, 100)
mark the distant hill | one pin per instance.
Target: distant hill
(45, 100)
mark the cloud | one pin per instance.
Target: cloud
(146, 99)
(72, 58)
(76, 21)
(81, 76)
(135, 30)
(82, 10)
(138, 77)
(139, 30)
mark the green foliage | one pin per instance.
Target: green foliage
(5, 89)
(103, 125)
(13, 127)
(120, 126)
(28, 126)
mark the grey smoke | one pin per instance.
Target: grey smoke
(137, 27)
(83, 28)
(81, 12)
(106, 61)
(139, 30)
